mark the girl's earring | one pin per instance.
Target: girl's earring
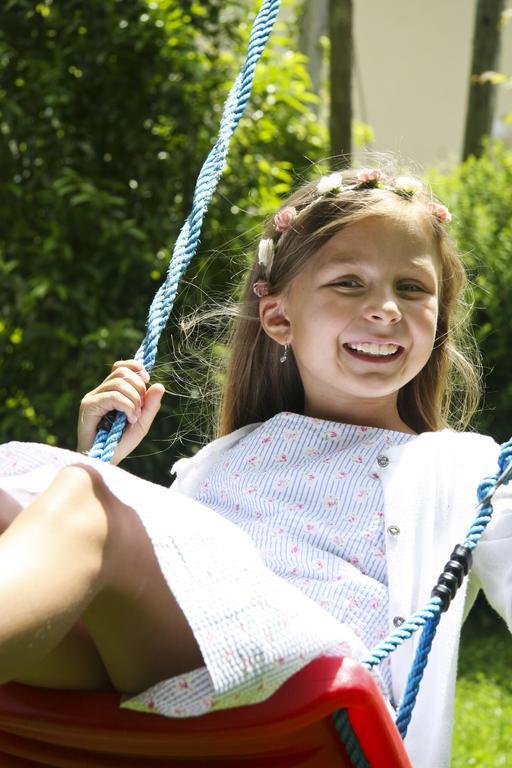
(282, 359)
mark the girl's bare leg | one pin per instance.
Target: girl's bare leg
(78, 552)
(75, 663)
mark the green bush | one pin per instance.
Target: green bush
(108, 110)
(479, 193)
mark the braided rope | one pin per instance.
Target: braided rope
(346, 733)
(415, 676)
(430, 616)
(188, 239)
(406, 631)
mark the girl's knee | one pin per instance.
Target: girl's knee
(77, 479)
(76, 503)
(79, 510)
(93, 510)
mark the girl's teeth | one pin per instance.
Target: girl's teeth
(375, 349)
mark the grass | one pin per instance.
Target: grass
(483, 706)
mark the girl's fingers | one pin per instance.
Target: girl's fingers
(133, 365)
(142, 411)
(143, 416)
(134, 391)
(134, 433)
(96, 405)
(151, 405)
(138, 378)
(124, 390)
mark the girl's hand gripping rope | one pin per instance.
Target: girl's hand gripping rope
(124, 389)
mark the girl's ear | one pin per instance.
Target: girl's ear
(274, 320)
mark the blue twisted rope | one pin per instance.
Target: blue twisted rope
(415, 676)
(430, 616)
(346, 733)
(187, 242)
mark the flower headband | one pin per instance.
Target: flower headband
(406, 186)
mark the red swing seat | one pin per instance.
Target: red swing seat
(291, 729)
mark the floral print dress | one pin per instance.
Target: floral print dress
(308, 493)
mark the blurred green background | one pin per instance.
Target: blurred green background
(483, 705)
(107, 111)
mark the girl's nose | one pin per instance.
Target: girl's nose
(385, 311)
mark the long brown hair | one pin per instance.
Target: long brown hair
(444, 393)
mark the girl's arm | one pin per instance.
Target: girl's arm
(492, 559)
(124, 389)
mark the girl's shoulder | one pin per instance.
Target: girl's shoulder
(471, 449)
(463, 441)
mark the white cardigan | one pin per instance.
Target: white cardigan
(429, 489)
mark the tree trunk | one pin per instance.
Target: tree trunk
(313, 25)
(486, 56)
(340, 120)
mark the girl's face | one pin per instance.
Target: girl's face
(361, 319)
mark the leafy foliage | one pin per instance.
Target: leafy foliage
(479, 192)
(108, 111)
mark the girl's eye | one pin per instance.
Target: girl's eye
(411, 287)
(347, 282)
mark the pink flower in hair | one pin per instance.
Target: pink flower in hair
(284, 219)
(368, 175)
(441, 212)
(261, 288)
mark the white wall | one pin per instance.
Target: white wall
(413, 60)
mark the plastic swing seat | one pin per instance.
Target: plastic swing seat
(292, 729)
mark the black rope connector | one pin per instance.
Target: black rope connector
(453, 575)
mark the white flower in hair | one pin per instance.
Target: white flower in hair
(408, 184)
(330, 183)
(266, 254)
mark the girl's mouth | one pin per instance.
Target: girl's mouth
(373, 352)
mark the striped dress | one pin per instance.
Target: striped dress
(308, 493)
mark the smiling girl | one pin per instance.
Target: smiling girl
(372, 304)
(315, 523)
